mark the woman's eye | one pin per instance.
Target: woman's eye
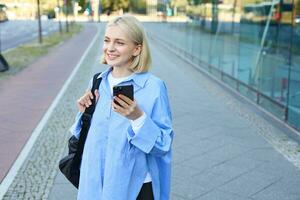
(120, 43)
(106, 41)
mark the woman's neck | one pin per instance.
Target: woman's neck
(119, 72)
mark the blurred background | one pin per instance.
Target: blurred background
(252, 45)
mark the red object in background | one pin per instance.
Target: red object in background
(277, 16)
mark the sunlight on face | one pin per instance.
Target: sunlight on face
(118, 48)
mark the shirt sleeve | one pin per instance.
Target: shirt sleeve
(138, 123)
(76, 127)
(156, 134)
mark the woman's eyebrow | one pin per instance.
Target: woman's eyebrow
(120, 39)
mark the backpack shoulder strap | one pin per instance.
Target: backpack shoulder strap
(96, 82)
(86, 121)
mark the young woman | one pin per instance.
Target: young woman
(127, 153)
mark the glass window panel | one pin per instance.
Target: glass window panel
(253, 41)
(229, 81)
(294, 96)
(248, 93)
(272, 107)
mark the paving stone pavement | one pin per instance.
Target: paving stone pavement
(26, 96)
(36, 176)
(278, 137)
(220, 151)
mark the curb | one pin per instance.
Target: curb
(7, 181)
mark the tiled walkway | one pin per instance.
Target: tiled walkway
(219, 154)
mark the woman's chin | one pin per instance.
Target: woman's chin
(112, 63)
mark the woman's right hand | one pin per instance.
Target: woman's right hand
(85, 101)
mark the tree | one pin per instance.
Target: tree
(82, 4)
(297, 7)
(197, 2)
(179, 3)
(138, 6)
(114, 5)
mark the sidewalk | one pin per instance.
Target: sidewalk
(25, 97)
(220, 152)
(219, 149)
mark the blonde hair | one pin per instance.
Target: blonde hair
(135, 31)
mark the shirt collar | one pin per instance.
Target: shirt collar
(104, 73)
(138, 78)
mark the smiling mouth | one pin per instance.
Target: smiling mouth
(111, 56)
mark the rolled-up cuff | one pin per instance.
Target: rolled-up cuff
(138, 123)
(146, 137)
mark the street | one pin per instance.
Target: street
(14, 33)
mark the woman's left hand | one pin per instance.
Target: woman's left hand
(128, 107)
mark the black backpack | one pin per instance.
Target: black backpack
(70, 164)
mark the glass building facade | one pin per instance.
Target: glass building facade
(251, 45)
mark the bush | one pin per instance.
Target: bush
(138, 6)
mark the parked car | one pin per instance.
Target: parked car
(3, 15)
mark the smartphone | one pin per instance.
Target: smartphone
(126, 90)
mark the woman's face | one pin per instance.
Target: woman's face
(118, 48)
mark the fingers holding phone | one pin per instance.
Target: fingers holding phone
(124, 102)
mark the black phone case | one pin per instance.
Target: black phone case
(126, 90)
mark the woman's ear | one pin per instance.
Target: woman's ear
(137, 50)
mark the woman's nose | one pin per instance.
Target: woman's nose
(111, 47)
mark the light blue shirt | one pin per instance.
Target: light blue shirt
(116, 160)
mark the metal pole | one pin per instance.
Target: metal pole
(214, 21)
(99, 10)
(278, 20)
(67, 24)
(286, 117)
(233, 16)
(58, 16)
(0, 42)
(39, 21)
(262, 44)
(203, 22)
